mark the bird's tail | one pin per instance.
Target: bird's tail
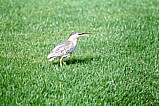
(50, 57)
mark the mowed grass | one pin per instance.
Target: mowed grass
(117, 65)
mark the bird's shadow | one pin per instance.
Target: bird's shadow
(76, 60)
(79, 60)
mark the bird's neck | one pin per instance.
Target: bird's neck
(73, 40)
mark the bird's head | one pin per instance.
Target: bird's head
(75, 35)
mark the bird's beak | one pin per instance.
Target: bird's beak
(84, 34)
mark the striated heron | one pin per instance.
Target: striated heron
(64, 49)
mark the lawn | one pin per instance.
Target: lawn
(117, 65)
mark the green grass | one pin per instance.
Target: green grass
(118, 65)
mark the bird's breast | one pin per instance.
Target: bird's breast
(74, 42)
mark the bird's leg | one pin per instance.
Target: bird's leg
(61, 61)
(67, 57)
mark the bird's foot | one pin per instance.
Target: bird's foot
(62, 62)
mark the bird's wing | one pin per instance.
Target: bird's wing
(63, 49)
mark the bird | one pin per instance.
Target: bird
(66, 48)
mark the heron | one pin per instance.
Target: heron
(66, 48)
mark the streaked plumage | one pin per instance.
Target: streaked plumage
(64, 49)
